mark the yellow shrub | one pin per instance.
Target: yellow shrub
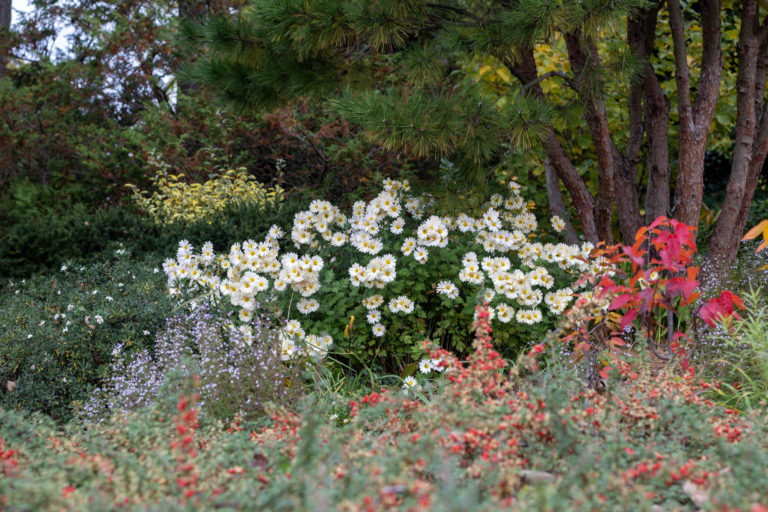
(174, 200)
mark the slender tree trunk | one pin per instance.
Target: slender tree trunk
(720, 249)
(556, 203)
(641, 33)
(657, 197)
(580, 195)
(597, 121)
(525, 71)
(5, 26)
(696, 119)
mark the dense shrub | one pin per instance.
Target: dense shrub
(173, 200)
(35, 244)
(400, 268)
(58, 331)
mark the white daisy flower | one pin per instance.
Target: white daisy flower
(410, 383)
(448, 289)
(374, 316)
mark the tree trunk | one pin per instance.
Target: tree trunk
(657, 196)
(720, 248)
(556, 203)
(5, 26)
(597, 122)
(524, 70)
(641, 34)
(696, 119)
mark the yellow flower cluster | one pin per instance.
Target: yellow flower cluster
(174, 200)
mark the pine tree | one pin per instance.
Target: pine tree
(395, 67)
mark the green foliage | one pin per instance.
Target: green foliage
(84, 122)
(25, 199)
(378, 282)
(36, 244)
(422, 58)
(58, 330)
(743, 366)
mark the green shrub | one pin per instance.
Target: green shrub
(57, 331)
(392, 273)
(34, 245)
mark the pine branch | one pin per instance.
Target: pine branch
(568, 80)
(457, 10)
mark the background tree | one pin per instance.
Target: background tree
(101, 107)
(5, 26)
(398, 69)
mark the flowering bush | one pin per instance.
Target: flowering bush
(238, 370)
(174, 200)
(57, 332)
(395, 266)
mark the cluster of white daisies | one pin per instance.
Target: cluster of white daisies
(400, 304)
(503, 230)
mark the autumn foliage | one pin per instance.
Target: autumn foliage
(653, 280)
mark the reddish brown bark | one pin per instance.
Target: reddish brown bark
(746, 127)
(641, 32)
(695, 120)
(524, 70)
(597, 121)
(557, 204)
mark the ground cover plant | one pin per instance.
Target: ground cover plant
(497, 436)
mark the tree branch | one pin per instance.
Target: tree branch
(682, 73)
(456, 10)
(550, 74)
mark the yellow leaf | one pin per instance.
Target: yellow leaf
(504, 74)
(483, 70)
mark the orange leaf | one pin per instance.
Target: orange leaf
(752, 233)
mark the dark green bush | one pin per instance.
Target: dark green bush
(34, 245)
(57, 331)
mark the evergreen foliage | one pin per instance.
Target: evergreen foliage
(395, 67)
